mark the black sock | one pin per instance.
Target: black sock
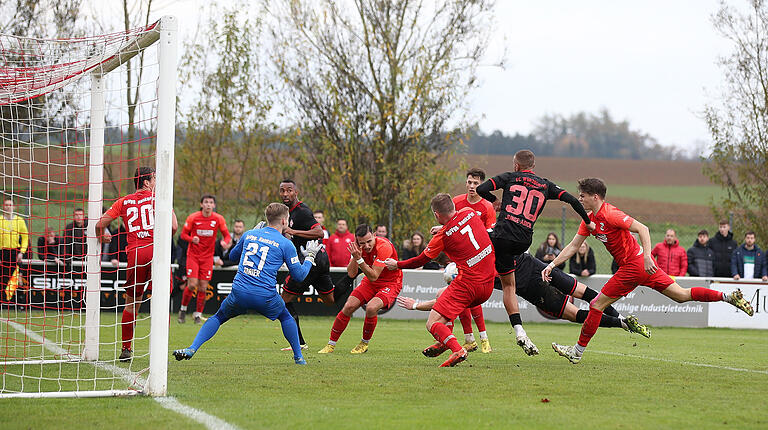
(581, 315)
(515, 319)
(609, 321)
(610, 311)
(589, 295)
(295, 316)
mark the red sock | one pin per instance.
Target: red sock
(443, 334)
(369, 326)
(477, 315)
(127, 328)
(466, 321)
(200, 301)
(701, 294)
(187, 296)
(589, 328)
(339, 325)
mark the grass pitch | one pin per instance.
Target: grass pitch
(624, 381)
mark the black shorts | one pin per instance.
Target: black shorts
(319, 276)
(550, 297)
(507, 252)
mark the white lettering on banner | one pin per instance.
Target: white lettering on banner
(427, 290)
(482, 254)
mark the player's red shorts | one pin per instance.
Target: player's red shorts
(632, 274)
(199, 267)
(460, 295)
(139, 273)
(386, 292)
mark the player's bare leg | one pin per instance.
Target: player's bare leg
(186, 298)
(437, 326)
(340, 323)
(371, 318)
(588, 329)
(509, 297)
(700, 294)
(202, 290)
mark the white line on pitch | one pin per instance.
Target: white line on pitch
(689, 363)
(133, 378)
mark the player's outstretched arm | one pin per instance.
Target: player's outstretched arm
(413, 304)
(574, 202)
(564, 256)
(484, 190)
(645, 241)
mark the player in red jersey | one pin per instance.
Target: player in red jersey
(473, 201)
(636, 265)
(200, 230)
(465, 240)
(378, 289)
(138, 213)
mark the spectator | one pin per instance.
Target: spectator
(583, 262)
(701, 257)
(14, 242)
(337, 244)
(48, 246)
(74, 237)
(320, 218)
(118, 246)
(723, 245)
(413, 246)
(748, 261)
(549, 249)
(670, 256)
(221, 254)
(381, 231)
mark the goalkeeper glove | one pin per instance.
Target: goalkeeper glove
(313, 247)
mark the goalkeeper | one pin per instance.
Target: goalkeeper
(254, 286)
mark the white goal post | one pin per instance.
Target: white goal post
(69, 141)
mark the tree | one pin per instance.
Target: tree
(738, 121)
(374, 85)
(225, 144)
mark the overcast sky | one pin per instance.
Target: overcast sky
(652, 63)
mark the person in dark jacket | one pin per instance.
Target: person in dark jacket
(701, 258)
(549, 249)
(748, 261)
(48, 246)
(582, 263)
(723, 245)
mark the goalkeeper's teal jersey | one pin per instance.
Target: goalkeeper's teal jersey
(261, 254)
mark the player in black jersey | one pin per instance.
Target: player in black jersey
(522, 200)
(302, 227)
(550, 297)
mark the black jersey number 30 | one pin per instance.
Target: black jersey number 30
(525, 202)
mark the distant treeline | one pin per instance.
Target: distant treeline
(581, 135)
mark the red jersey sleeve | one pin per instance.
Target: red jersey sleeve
(384, 250)
(223, 229)
(116, 209)
(187, 229)
(583, 230)
(435, 246)
(619, 219)
(490, 214)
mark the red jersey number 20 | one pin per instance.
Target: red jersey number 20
(141, 218)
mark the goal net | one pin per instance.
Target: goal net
(77, 117)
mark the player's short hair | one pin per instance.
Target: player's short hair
(208, 196)
(142, 173)
(274, 212)
(477, 173)
(704, 232)
(749, 232)
(592, 186)
(442, 204)
(672, 230)
(362, 230)
(318, 212)
(724, 222)
(239, 220)
(288, 181)
(78, 210)
(525, 158)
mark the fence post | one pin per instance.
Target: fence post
(562, 226)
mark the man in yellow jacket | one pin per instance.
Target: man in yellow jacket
(13, 242)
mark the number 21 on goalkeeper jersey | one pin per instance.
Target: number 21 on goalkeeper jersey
(261, 254)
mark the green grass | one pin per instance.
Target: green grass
(690, 194)
(241, 377)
